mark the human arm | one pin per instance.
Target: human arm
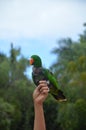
(39, 96)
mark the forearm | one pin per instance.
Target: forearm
(39, 121)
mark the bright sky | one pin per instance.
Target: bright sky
(36, 25)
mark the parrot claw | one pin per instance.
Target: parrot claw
(48, 82)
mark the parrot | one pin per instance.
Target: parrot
(40, 73)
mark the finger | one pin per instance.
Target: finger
(44, 88)
(43, 81)
(45, 91)
(41, 86)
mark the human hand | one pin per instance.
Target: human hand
(41, 92)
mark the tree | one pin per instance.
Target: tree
(6, 114)
(80, 107)
(16, 91)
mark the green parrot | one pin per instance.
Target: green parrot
(40, 73)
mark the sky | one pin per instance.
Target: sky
(36, 25)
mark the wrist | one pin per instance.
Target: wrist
(38, 104)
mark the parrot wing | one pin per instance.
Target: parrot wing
(45, 74)
(54, 86)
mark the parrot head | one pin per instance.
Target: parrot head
(35, 60)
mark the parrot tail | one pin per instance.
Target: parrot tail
(60, 96)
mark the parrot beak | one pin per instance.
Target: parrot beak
(31, 61)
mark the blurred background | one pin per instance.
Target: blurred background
(56, 31)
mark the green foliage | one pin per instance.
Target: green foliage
(15, 92)
(67, 116)
(51, 112)
(6, 114)
(80, 107)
